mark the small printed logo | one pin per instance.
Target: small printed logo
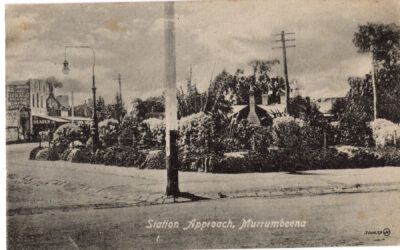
(386, 232)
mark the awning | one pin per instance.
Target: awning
(77, 119)
(44, 119)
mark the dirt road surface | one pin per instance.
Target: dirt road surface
(62, 205)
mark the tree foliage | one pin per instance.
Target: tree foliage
(383, 41)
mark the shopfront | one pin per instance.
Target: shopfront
(45, 123)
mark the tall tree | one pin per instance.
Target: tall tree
(383, 42)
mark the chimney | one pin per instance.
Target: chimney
(252, 117)
(264, 99)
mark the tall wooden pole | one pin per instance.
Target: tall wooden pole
(374, 83)
(287, 90)
(72, 104)
(171, 109)
(120, 89)
(284, 47)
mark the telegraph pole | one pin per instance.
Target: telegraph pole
(120, 92)
(284, 47)
(373, 82)
(72, 104)
(171, 105)
(119, 78)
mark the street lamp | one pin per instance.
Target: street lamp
(65, 70)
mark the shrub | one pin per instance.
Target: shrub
(72, 154)
(232, 165)
(76, 144)
(89, 142)
(385, 132)
(241, 135)
(85, 133)
(154, 160)
(260, 139)
(261, 161)
(292, 160)
(286, 132)
(288, 160)
(33, 153)
(53, 154)
(43, 154)
(64, 155)
(108, 132)
(245, 135)
(63, 136)
(362, 158)
(97, 158)
(135, 133)
(355, 132)
(81, 155)
(122, 156)
(157, 131)
(198, 139)
(390, 156)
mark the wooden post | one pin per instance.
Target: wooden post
(394, 138)
(374, 84)
(171, 109)
(287, 87)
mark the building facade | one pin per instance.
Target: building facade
(17, 110)
(46, 110)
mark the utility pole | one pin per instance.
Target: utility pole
(171, 107)
(195, 89)
(203, 108)
(119, 78)
(72, 104)
(373, 82)
(120, 92)
(284, 47)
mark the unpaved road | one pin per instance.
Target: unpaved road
(332, 220)
(65, 205)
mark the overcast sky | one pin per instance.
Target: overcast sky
(128, 39)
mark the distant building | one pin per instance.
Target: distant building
(17, 110)
(259, 114)
(63, 100)
(33, 107)
(46, 110)
(325, 105)
(82, 110)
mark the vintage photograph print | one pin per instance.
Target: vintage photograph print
(203, 125)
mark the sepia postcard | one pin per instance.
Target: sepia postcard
(202, 124)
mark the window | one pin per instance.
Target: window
(33, 100)
(37, 100)
(41, 101)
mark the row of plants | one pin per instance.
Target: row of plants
(269, 161)
(290, 144)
